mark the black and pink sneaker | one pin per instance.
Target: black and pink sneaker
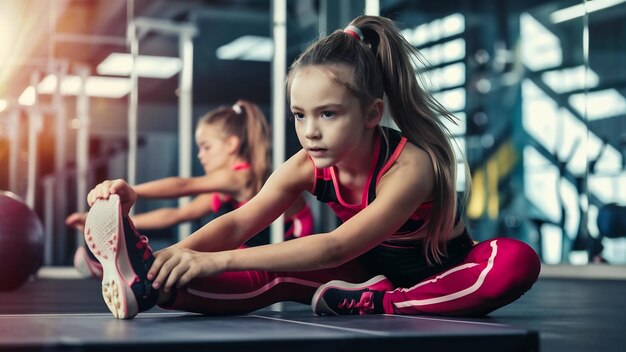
(342, 298)
(125, 257)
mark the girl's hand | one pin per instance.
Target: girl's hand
(120, 187)
(76, 221)
(177, 266)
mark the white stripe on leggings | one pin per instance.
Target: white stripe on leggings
(254, 293)
(452, 296)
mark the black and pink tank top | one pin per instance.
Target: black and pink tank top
(327, 190)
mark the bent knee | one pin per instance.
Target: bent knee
(517, 267)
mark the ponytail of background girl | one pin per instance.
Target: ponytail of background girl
(246, 121)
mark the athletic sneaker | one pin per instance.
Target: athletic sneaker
(342, 298)
(86, 264)
(125, 257)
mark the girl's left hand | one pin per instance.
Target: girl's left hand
(177, 266)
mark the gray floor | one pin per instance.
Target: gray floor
(568, 315)
(264, 331)
(572, 315)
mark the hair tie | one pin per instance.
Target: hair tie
(354, 32)
(237, 109)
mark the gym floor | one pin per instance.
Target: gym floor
(556, 315)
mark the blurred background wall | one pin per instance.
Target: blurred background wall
(538, 86)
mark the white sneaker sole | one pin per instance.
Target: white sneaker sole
(320, 307)
(104, 234)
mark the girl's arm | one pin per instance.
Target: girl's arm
(403, 188)
(282, 188)
(159, 218)
(165, 217)
(220, 181)
(194, 256)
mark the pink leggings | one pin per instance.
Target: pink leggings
(493, 274)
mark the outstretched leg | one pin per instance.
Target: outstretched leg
(246, 291)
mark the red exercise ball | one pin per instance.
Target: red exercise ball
(21, 242)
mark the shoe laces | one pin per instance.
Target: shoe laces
(364, 305)
(142, 244)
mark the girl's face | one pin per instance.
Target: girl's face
(329, 120)
(213, 147)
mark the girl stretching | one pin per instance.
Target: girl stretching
(393, 190)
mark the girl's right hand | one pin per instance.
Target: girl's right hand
(76, 221)
(120, 187)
